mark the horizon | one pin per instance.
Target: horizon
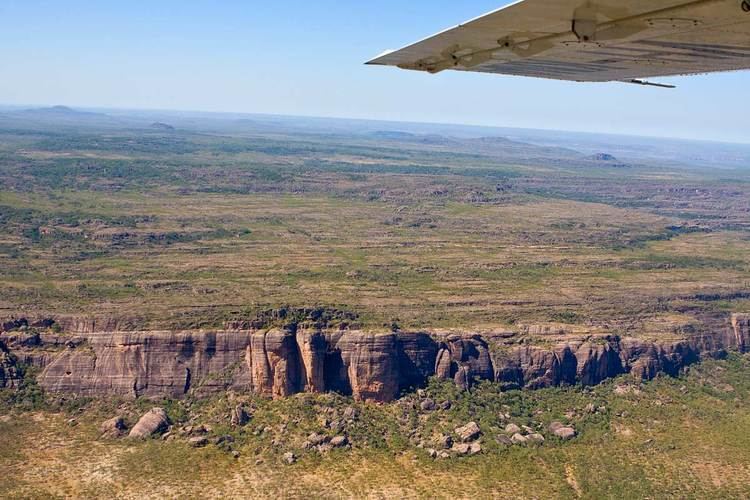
(496, 128)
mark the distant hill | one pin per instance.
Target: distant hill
(161, 126)
(492, 146)
(54, 116)
(58, 111)
(602, 157)
(394, 135)
(607, 159)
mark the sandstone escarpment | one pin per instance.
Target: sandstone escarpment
(365, 365)
(145, 363)
(368, 366)
(741, 331)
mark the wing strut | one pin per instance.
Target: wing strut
(651, 84)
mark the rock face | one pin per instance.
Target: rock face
(148, 364)
(741, 331)
(9, 373)
(154, 422)
(463, 359)
(367, 366)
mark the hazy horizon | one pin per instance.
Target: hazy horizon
(489, 128)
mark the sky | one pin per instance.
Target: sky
(306, 58)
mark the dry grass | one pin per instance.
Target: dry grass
(426, 265)
(681, 438)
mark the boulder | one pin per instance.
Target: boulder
(350, 414)
(223, 440)
(512, 429)
(555, 425)
(112, 428)
(475, 449)
(443, 442)
(154, 422)
(289, 457)
(535, 438)
(316, 439)
(504, 440)
(339, 441)
(427, 405)
(461, 449)
(565, 433)
(337, 425)
(198, 441)
(324, 448)
(518, 439)
(468, 432)
(240, 416)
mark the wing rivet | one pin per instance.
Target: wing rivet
(745, 6)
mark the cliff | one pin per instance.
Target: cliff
(367, 366)
(741, 331)
(10, 375)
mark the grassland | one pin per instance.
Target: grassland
(671, 438)
(191, 229)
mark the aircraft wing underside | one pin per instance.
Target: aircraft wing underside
(596, 41)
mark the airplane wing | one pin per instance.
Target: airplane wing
(590, 41)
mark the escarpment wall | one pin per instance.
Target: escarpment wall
(741, 332)
(368, 366)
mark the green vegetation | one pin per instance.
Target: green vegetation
(673, 437)
(185, 229)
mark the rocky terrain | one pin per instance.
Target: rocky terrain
(370, 366)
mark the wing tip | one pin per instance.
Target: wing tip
(378, 60)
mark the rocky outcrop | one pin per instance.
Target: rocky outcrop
(741, 331)
(368, 366)
(154, 422)
(365, 365)
(312, 347)
(275, 363)
(464, 359)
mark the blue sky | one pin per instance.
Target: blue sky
(306, 58)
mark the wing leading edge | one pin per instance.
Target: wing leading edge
(590, 41)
